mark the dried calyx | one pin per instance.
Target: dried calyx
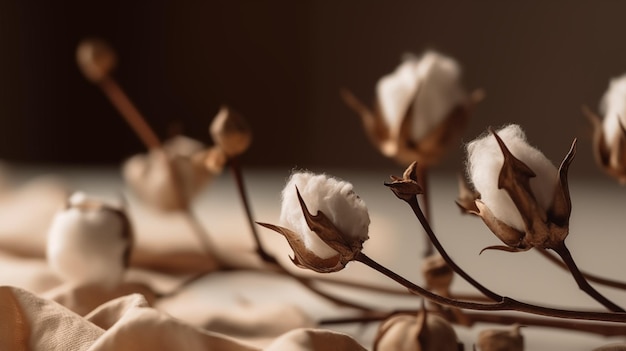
(230, 132)
(522, 198)
(421, 109)
(95, 59)
(327, 240)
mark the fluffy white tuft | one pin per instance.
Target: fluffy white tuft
(485, 161)
(428, 85)
(613, 107)
(335, 198)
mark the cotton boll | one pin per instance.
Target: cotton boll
(485, 160)
(613, 107)
(335, 198)
(89, 242)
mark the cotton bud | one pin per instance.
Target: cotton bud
(424, 332)
(327, 240)
(169, 177)
(501, 340)
(610, 133)
(89, 242)
(95, 59)
(422, 109)
(230, 132)
(523, 199)
(437, 274)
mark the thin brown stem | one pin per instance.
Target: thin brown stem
(583, 284)
(127, 109)
(422, 177)
(505, 303)
(144, 132)
(589, 276)
(597, 328)
(241, 188)
(433, 238)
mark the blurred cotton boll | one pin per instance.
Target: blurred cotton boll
(335, 198)
(485, 160)
(609, 142)
(168, 178)
(613, 107)
(423, 88)
(89, 242)
(421, 109)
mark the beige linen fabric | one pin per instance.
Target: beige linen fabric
(128, 323)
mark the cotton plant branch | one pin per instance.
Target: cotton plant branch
(96, 60)
(504, 304)
(407, 189)
(472, 318)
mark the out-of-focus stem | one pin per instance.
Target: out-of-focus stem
(590, 277)
(127, 109)
(142, 129)
(241, 188)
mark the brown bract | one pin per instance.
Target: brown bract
(402, 148)
(544, 229)
(95, 59)
(231, 132)
(347, 247)
(407, 187)
(611, 158)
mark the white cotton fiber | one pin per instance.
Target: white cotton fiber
(485, 161)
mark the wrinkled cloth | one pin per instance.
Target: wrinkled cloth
(39, 311)
(128, 323)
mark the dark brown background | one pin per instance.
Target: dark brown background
(281, 63)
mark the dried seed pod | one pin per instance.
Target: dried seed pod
(231, 132)
(523, 200)
(501, 339)
(168, 178)
(89, 242)
(422, 332)
(437, 274)
(328, 240)
(421, 109)
(96, 59)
